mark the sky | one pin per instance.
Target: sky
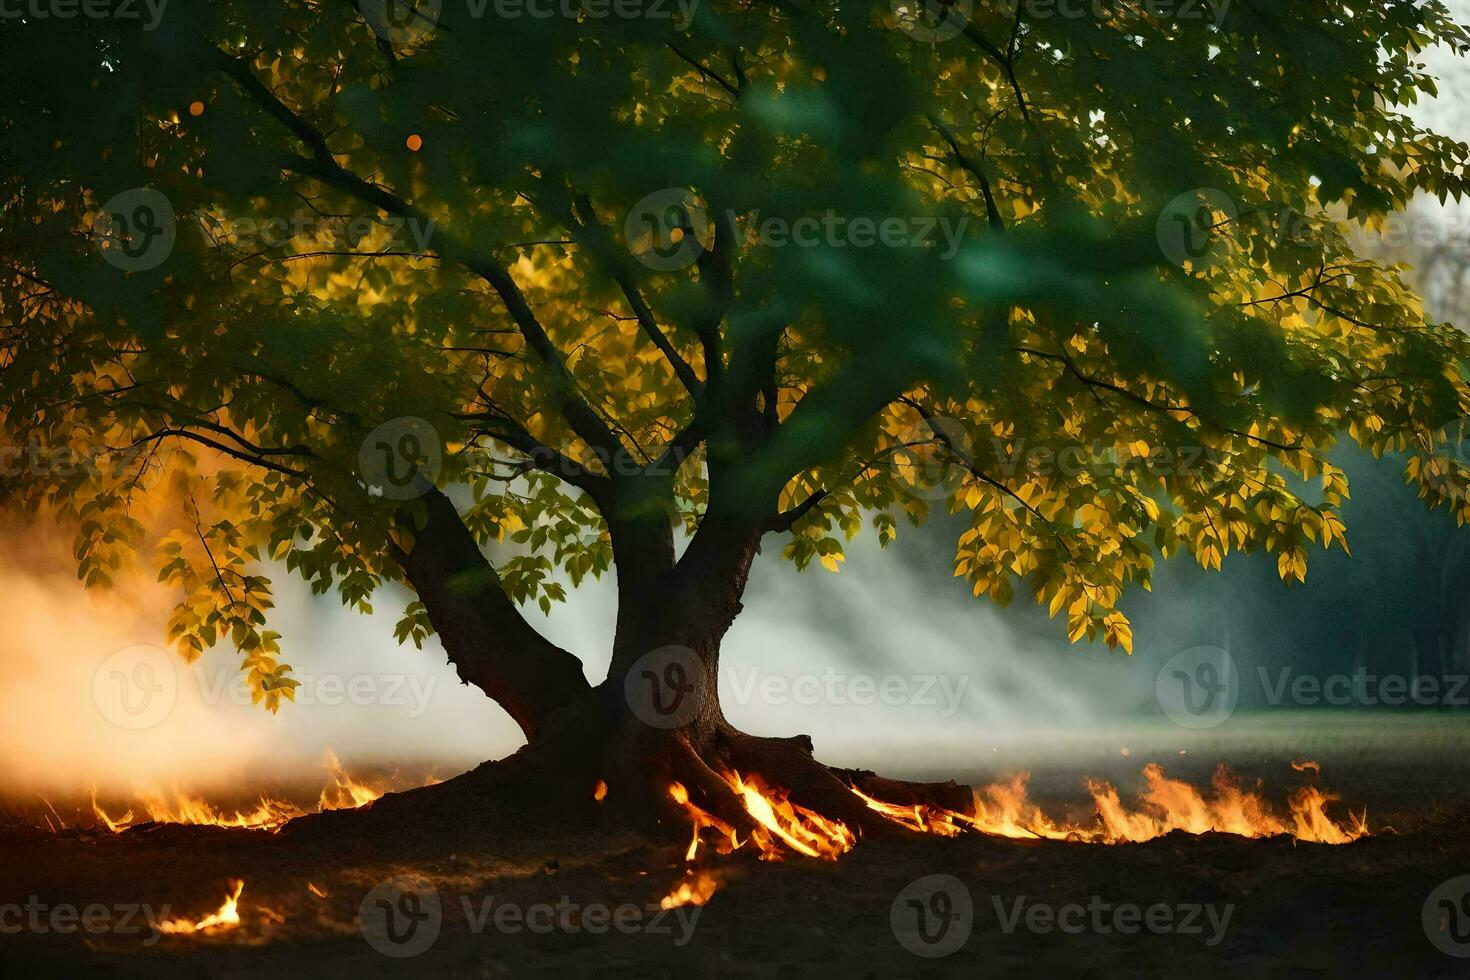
(891, 653)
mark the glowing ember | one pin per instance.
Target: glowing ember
(599, 791)
(228, 916)
(694, 889)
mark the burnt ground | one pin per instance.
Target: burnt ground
(1295, 909)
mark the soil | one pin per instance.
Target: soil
(565, 900)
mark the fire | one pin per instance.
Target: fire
(344, 792)
(180, 807)
(1312, 823)
(694, 889)
(1165, 805)
(779, 822)
(1003, 809)
(804, 831)
(114, 824)
(268, 814)
(1169, 804)
(227, 917)
(729, 839)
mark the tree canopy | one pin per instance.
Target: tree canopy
(791, 267)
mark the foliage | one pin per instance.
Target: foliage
(377, 225)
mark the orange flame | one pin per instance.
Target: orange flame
(1168, 805)
(184, 808)
(804, 831)
(227, 917)
(729, 839)
(778, 820)
(344, 792)
(1165, 805)
(114, 824)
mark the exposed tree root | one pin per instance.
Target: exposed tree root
(553, 783)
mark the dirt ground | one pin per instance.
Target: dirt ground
(537, 902)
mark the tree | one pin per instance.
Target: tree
(359, 294)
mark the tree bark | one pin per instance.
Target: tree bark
(488, 641)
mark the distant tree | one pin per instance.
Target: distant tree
(639, 293)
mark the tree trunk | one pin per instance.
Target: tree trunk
(654, 721)
(488, 641)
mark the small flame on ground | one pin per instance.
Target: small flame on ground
(344, 792)
(779, 821)
(599, 791)
(729, 839)
(804, 831)
(184, 808)
(227, 917)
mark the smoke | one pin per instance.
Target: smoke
(873, 661)
(93, 696)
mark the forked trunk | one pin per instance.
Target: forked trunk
(613, 753)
